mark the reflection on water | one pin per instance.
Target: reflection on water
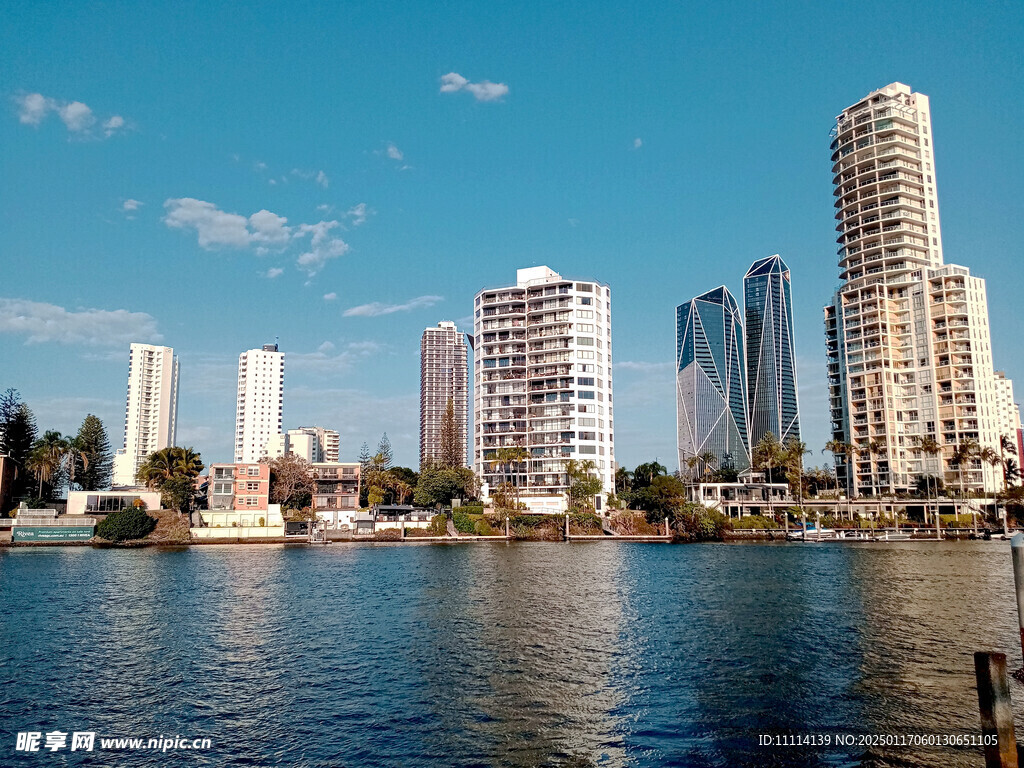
(504, 654)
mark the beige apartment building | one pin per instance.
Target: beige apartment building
(909, 349)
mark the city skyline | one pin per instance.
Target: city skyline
(376, 227)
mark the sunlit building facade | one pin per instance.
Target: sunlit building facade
(542, 380)
(909, 349)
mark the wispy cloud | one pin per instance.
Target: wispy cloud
(274, 272)
(376, 308)
(357, 214)
(78, 117)
(644, 367)
(325, 359)
(40, 323)
(330, 296)
(319, 177)
(322, 247)
(482, 91)
(637, 143)
(263, 230)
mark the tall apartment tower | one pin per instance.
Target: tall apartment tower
(542, 379)
(908, 343)
(444, 377)
(151, 411)
(711, 399)
(260, 402)
(771, 352)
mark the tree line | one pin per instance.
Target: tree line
(46, 465)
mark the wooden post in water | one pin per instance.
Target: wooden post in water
(1017, 553)
(996, 713)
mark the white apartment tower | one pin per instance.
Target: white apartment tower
(260, 402)
(542, 379)
(314, 444)
(908, 345)
(151, 410)
(444, 376)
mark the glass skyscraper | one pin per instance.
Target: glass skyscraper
(771, 352)
(711, 402)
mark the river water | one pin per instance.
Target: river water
(526, 654)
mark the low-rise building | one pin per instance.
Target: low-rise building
(740, 499)
(243, 523)
(105, 502)
(335, 489)
(244, 486)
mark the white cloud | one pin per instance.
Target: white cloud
(357, 214)
(637, 143)
(214, 226)
(317, 176)
(263, 230)
(324, 208)
(330, 296)
(321, 179)
(376, 308)
(274, 272)
(325, 347)
(394, 152)
(259, 166)
(131, 205)
(323, 247)
(269, 229)
(40, 323)
(76, 116)
(113, 125)
(32, 108)
(483, 91)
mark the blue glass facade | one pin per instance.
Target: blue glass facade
(711, 400)
(771, 356)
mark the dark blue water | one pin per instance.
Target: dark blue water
(501, 654)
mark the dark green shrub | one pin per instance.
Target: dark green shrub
(126, 524)
(463, 522)
(438, 525)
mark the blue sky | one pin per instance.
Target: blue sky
(660, 148)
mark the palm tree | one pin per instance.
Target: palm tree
(988, 455)
(508, 456)
(1006, 445)
(963, 453)
(160, 466)
(929, 446)
(47, 456)
(74, 454)
(794, 459)
(767, 455)
(707, 459)
(847, 450)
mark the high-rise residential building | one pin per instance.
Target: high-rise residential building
(711, 400)
(151, 411)
(260, 402)
(314, 444)
(444, 378)
(542, 380)
(771, 352)
(909, 351)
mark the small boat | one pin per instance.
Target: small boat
(891, 536)
(811, 533)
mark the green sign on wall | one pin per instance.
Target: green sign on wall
(52, 533)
